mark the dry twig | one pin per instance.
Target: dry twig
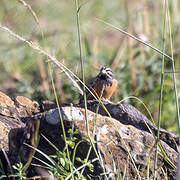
(48, 55)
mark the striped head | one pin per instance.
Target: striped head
(106, 75)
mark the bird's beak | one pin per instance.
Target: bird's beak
(103, 71)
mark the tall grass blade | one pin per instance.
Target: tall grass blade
(135, 38)
(161, 94)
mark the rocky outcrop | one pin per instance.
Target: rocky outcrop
(122, 143)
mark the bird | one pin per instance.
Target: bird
(103, 85)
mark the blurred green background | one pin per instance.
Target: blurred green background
(137, 67)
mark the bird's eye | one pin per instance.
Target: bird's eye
(103, 68)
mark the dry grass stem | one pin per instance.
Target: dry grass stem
(135, 38)
(41, 51)
(30, 9)
(8, 162)
(119, 54)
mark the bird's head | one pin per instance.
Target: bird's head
(106, 74)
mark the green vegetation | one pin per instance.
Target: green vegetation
(140, 71)
(136, 67)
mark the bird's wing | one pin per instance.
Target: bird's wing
(91, 83)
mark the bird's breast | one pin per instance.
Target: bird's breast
(105, 89)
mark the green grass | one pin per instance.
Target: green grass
(100, 47)
(85, 44)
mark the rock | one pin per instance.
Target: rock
(11, 114)
(127, 114)
(122, 141)
(116, 141)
